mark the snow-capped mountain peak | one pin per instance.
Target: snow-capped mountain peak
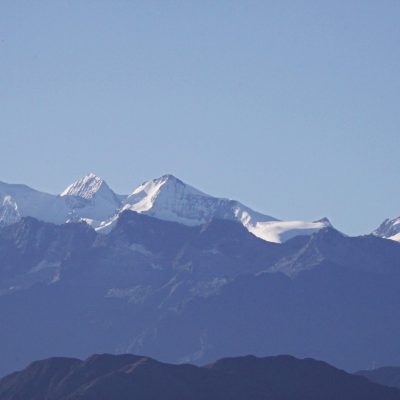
(167, 181)
(389, 229)
(167, 198)
(171, 199)
(9, 213)
(164, 195)
(92, 199)
(85, 187)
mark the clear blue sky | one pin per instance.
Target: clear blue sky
(292, 107)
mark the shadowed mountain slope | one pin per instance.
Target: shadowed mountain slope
(389, 376)
(195, 293)
(127, 377)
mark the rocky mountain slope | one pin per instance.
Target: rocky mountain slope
(389, 229)
(195, 293)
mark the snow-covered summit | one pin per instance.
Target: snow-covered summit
(170, 199)
(91, 198)
(389, 229)
(85, 187)
(9, 213)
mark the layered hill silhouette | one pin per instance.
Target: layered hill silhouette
(104, 377)
(389, 376)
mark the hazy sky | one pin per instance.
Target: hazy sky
(292, 107)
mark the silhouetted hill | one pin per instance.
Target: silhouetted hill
(127, 377)
(389, 376)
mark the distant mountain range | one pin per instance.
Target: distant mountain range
(185, 277)
(126, 377)
(90, 199)
(195, 293)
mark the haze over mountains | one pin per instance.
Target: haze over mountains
(185, 277)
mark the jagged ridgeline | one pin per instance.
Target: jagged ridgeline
(185, 277)
(90, 199)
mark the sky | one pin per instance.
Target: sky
(292, 107)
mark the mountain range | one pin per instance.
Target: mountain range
(104, 377)
(90, 199)
(195, 293)
(183, 277)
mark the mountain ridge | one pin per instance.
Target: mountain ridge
(133, 289)
(91, 199)
(388, 376)
(127, 376)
